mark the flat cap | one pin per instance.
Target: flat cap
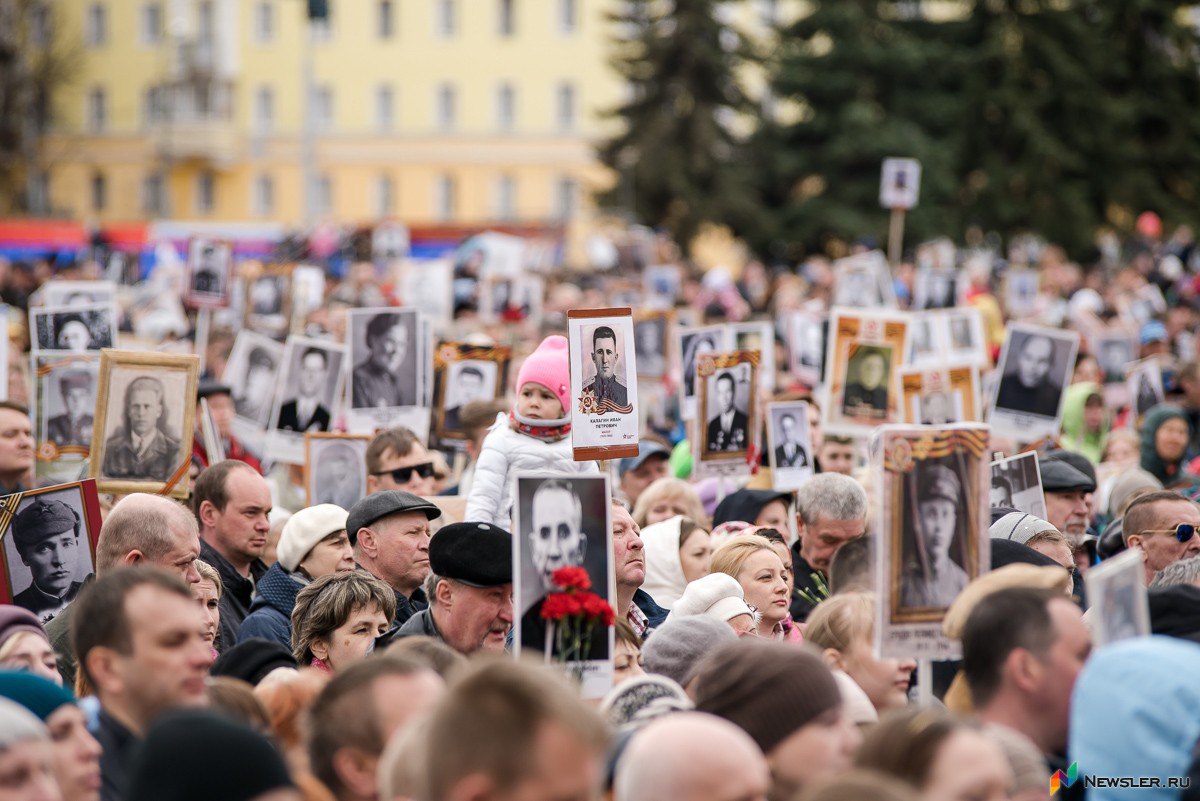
(42, 519)
(478, 554)
(1060, 476)
(382, 504)
(1075, 459)
(938, 481)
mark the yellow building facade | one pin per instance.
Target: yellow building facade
(432, 111)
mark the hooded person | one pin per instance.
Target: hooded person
(1085, 420)
(671, 555)
(1135, 711)
(313, 544)
(756, 507)
(1164, 428)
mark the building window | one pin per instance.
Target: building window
(385, 196)
(39, 192)
(445, 19)
(387, 19)
(565, 192)
(264, 108)
(97, 109)
(152, 105)
(506, 198)
(445, 107)
(506, 107)
(264, 22)
(385, 108)
(323, 108)
(154, 194)
(565, 107)
(444, 199)
(506, 17)
(264, 195)
(324, 196)
(151, 24)
(96, 28)
(206, 193)
(568, 16)
(39, 25)
(99, 191)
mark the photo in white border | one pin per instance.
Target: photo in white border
(1017, 484)
(308, 397)
(1035, 368)
(604, 397)
(691, 344)
(73, 329)
(252, 373)
(1117, 599)
(210, 272)
(788, 447)
(964, 337)
(386, 368)
(864, 281)
(1114, 351)
(758, 336)
(806, 346)
(1145, 385)
(336, 470)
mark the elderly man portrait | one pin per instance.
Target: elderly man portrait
(867, 394)
(605, 385)
(46, 534)
(376, 381)
(74, 426)
(790, 454)
(1027, 385)
(142, 448)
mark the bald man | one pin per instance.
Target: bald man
(691, 756)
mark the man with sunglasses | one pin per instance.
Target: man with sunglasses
(389, 532)
(396, 460)
(1162, 525)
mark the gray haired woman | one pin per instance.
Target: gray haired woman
(337, 618)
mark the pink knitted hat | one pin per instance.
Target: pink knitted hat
(549, 366)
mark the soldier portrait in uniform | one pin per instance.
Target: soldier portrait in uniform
(310, 388)
(868, 373)
(77, 330)
(209, 265)
(73, 426)
(49, 546)
(604, 368)
(335, 468)
(729, 426)
(142, 434)
(932, 572)
(466, 382)
(383, 350)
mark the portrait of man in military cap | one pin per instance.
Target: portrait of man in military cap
(932, 572)
(143, 447)
(53, 559)
(77, 388)
(605, 378)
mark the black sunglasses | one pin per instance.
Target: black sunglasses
(1183, 532)
(401, 475)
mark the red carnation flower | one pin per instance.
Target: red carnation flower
(572, 578)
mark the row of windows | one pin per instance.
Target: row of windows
(156, 107)
(151, 27)
(263, 195)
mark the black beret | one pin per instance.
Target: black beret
(478, 554)
(382, 504)
(251, 660)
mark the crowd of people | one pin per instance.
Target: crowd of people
(247, 645)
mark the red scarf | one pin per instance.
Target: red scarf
(550, 433)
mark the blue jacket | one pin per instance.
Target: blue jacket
(271, 611)
(653, 612)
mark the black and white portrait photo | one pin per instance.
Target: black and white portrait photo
(49, 547)
(210, 265)
(561, 521)
(1017, 484)
(1114, 352)
(923, 344)
(251, 372)
(466, 382)
(868, 378)
(335, 468)
(1035, 365)
(694, 343)
(760, 338)
(1145, 385)
(383, 350)
(308, 388)
(962, 337)
(935, 555)
(650, 332)
(728, 423)
(937, 408)
(144, 422)
(75, 330)
(1022, 291)
(267, 295)
(934, 289)
(604, 366)
(788, 442)
(1117, 592)
(806, 343)
(69, 401)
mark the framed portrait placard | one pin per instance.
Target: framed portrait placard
(605, 423)
(252, 372)
(386, 368)
(73, 329)
(864, 281)
(1035, 367)
(49, 540)
(1017, 484)
(932, 518)
(926, 343)
(145, 420)
(727, 426)
(788, 445)
(1144, 380)
(64, 413)
(268, 301)
(462, 374)
(692, 344)
(963, 336)
(210, 273)
(1114, 351)
(806, 346)
(652, 332)
(70, 294)
(864, 353)
(938, 397)
(577, 509)
(759, 336)
(335, 468)
(309, 391)
(1116, 591)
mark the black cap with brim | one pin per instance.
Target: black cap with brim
(646, 449)
(382, 504)
(209, 388)
(478, 554)
(1061, 476)
(1075, 459)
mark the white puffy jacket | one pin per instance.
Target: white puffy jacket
(506, 453)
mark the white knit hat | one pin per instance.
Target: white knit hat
(305, 529)
(1019, 527)
(717, 595)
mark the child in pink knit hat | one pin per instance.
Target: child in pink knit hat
(534, 437)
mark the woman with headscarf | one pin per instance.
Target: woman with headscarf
(24, 644)
(678, 551)
(1085, 420)
(76, 754)
(1165, 436)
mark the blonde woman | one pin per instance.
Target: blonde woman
(337, 618)
(843, 627)
(677, 552)
(666, 498)
(208, 592)
(24, 644)
(758, 569)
